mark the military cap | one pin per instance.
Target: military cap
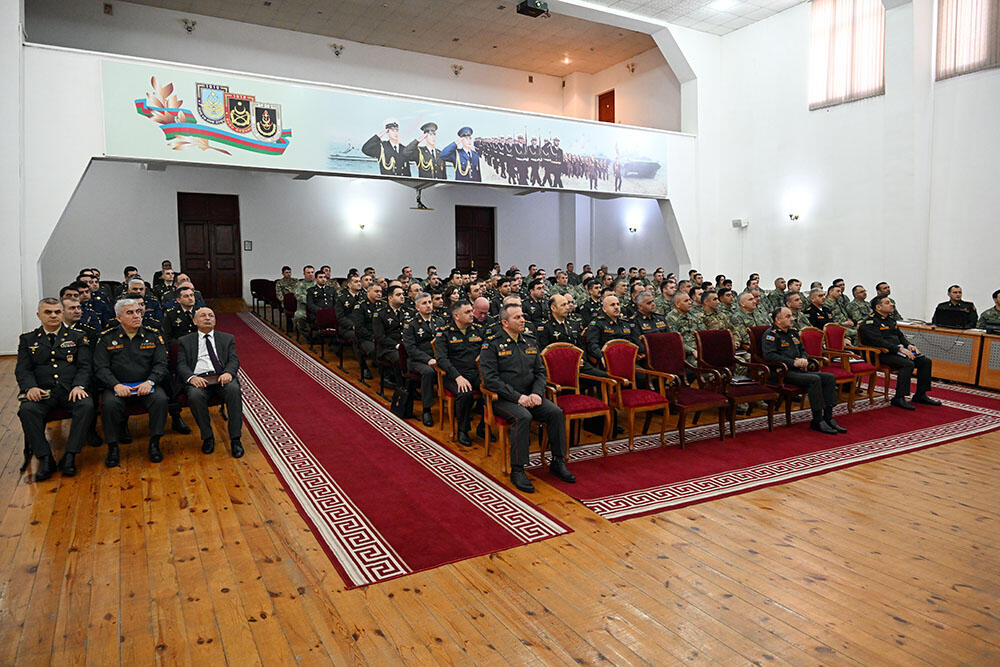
(429, 127)
(465, 132)
(391, 124)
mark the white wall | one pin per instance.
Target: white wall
(11, 185)
(151, 32)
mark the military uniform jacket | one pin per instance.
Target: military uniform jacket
(878, 331)
(417, 337)
(685, 324)
(429, 162)
(589, 310)
(301, 290)
(782, 347)
(741, 321)
(364, 318)
(991, 316)
(567, 331)
(152, 314)
(119, 359)
(388, 327)
(161, 290)
(602, 329)
(895, 311)
(838, 308)
(965, 307)
(663, 304)
(818, 317)
(318, 298)
(347, 304)
(512, 368)
(457, 351)
(391, 161)
(651, 323)
(534, 310)
(802, 320)
(177, 322)
(285, 286)
(89, 332)
(719, 320)
(858, 310)
(64, 362)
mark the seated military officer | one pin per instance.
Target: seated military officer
(364, 327)
(535, 306)
(513, 368)
(880, 330)
(818, 313)
(457, 345)
(967, 315)
(53, 370)
(165, 266)
(152, 312)
(991, 316)
(131, 362)
(793, 301)
(420, 359)
(285, 284)
(859, 309)
(647, 320)
(685, 321)
(883, 289)
(590, 307)
(609, 325)
(321, 295)
(781, 344)
(387, 330)
(300, 318)
(165, 285)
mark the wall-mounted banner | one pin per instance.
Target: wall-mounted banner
(154, 112)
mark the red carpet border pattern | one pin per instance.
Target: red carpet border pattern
(675, 494)
(365, 556)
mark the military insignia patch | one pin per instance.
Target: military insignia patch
(211, 103)
(267, 121)
(237, 110)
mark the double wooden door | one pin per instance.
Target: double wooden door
(475, 243)
(209, 230)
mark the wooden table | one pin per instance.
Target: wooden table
(956, 353)
(989, 364)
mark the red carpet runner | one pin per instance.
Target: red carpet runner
(382, 498)
(656, 478)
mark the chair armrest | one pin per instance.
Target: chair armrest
(666, 380)
(607, 384)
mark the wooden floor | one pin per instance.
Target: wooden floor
(204, 560)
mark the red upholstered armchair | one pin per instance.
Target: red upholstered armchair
(861, 365)
(786, 392)
(562, 376)
(324, 327)
(665, 358)
(619, 360)
(715, 353)
(832, 362)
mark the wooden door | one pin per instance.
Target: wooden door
(606, 107)
(209, 230)
(474, 238)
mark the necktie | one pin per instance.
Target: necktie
(52, 340)
(211, 354)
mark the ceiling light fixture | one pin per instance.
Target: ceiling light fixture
(630, 67)
(189, 25)
(566, 60)
(337, 49)
(456, 69)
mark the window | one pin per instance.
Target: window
(846, 51)
(968, 36)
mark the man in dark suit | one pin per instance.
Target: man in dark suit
(385, 148)
(53, 370)
(208, 364)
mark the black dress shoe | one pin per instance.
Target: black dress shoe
(559, 469)
(237, 448)
(823, 427)
(155, 455)
(926, 400)
(28, 455)
(366, 374)
(179, 426)
(208, 446)
(113, 458)
(126, 436)
(521, 481)
(833, 422)
(428, 419)
(481, 429)
(46, 467)
(463, 438)
(901, 402)
(67, 464)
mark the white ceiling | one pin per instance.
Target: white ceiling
(484, 31)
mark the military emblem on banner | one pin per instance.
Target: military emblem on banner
(266, 121)
(211, 105)
(237, 110)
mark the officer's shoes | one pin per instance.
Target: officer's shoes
(46, 467)
(481, 429)
(833, 422)
(126, 437)
(822, 427)
(427, 418)
(926, 400)
(559, 469)
(155, 455)
(366, 374)
(114, 457)
(901, 402)
(67, 464)
(463, 438)
(208, 445)
(521, 481)
(179, 426)
(237, 448)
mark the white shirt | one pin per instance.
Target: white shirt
(204, 364)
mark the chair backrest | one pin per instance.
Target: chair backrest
(665, 352)
(812, 341)
(562, 364)
(833, 337)
(326, 318)
(290, 303)
(259, 288)
(756, 336)
(619, 358)
(715, 347)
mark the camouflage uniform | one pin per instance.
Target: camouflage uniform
(858, 310)
(718, 320)
(285, 286)
(991, 316)
(662, 304)
(802, 320)
(840, 314)
(686, 324)
(301, 292)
